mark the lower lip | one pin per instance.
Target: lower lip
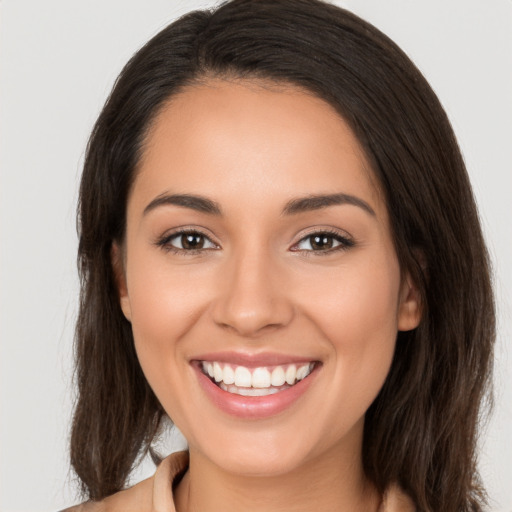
(254, 407)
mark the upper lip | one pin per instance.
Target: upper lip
(253, 360)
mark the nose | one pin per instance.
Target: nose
(252, 296)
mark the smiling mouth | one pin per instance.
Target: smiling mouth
(261, 381)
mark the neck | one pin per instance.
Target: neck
(333, 481)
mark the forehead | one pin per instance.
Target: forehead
(261, 138)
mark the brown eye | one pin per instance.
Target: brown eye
(192, 241)
(319, 242)
(186, 242)
(324, 242)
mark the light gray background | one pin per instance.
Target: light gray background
(59, 59)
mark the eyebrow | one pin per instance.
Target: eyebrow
(292, 207)
(198, 203)
(316, 202)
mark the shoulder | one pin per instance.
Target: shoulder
(135, 499)
(146, 495)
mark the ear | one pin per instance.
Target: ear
(116, 259)
(410, 307)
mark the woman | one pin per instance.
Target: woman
(276, 234)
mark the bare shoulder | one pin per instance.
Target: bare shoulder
(135, 499)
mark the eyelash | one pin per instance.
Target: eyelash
(165, 242)
(344, 242)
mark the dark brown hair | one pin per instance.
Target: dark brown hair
(421, 431)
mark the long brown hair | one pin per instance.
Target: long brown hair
(421, 430)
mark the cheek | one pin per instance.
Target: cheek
(165, 305)
(356, 312)
(165, 299)
(359, 297)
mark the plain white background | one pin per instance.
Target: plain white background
(59, 59)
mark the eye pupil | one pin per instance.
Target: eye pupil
(321, 242)
(192, 241)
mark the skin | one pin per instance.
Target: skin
(259, 286)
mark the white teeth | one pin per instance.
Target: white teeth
(260, 378)
(217, 372)
(257, 378)
(302, 372)
(228, 375)
(250, 391)
(242, 377)
(291, 373)
(278, 377)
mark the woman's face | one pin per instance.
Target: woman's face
(258, 248)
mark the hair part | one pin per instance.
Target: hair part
(421, 431)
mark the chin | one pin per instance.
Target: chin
(261, 453)
(270, 462)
